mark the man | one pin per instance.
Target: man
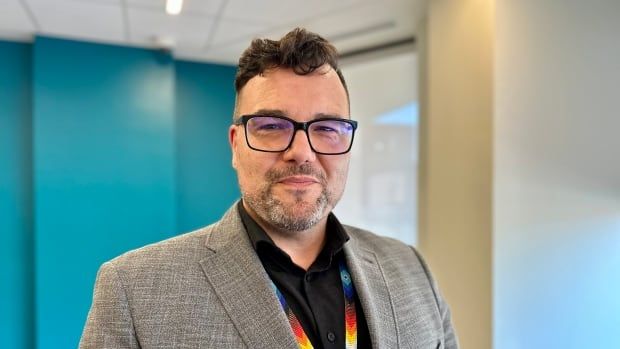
(278, 270)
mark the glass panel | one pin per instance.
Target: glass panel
(381, 193)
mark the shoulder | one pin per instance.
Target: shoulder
(379, 245)
(409, 285)
(400, 259)
(172, 254)
(155, 272)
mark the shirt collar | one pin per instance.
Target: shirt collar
(336, 236)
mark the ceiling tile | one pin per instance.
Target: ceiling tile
(13, 18)
(370, 24)
(110, 2)
(203, 6)
(153, 4)
(235, 31)
(186, 31)
(99, 21)
(357, 19)
(199, 33)
(291, 14)
(279, 12)
(196, 7)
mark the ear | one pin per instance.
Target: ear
(233, 139)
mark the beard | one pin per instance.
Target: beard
(303, 214)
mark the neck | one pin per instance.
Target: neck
(302, 246)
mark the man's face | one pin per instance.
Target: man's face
(295, 189)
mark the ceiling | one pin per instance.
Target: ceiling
(211, 30)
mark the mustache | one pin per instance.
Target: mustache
(275, 175)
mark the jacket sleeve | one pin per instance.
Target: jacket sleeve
(449, 336)
(109, 323)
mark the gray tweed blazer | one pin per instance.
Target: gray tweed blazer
(208, 289)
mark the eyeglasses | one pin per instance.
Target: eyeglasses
(328, 136)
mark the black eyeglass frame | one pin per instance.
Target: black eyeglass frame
(304, 126)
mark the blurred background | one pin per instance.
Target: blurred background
(488, 138)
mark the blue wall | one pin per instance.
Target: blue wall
(205, 101)
(104, 169)
(119, 151)
(16, 263)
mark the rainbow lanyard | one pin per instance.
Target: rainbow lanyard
(350, 318)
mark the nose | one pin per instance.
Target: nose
(300, 150)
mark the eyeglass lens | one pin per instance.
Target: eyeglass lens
(275, 134)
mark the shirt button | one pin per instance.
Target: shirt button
(331, 337)
(309, 277)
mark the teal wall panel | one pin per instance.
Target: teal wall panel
(16, 263)
(103, 170)
(206, 182)
(102, 149)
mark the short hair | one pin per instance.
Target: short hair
(300, 50)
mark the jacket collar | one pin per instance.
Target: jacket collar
(242, 285)
(373, 293)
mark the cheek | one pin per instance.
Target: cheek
(338, 171)
(246, 171)
(251, 170)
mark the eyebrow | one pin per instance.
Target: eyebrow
(278, 112)
(270, 112)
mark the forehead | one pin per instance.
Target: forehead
(299, 96)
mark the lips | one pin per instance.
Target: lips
(299, 181)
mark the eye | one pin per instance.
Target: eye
(271, 127)
(332, 127)
(324, 128)
(265, 123)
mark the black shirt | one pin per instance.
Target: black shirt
(315, 296)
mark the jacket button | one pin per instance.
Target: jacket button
(331, 337)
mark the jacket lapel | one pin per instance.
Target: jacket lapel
(373, 294)
(242, 285)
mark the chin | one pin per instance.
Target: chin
(305, 205)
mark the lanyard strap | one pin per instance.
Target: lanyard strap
(350, 319)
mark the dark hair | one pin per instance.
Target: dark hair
(299, 49)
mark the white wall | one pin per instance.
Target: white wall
(557, 174)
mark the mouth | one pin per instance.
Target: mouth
(298, 181)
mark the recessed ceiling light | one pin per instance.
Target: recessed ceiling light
(173, 7)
